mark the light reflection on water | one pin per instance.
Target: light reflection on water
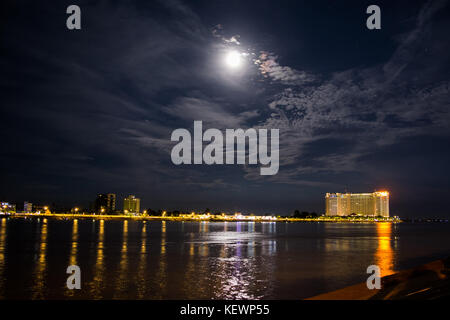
(2, 255)
(41, 264)
(161, 276)
(202, 260)
(141, 274)
(99, 269)
(385, 254)
(122, 272)
(73, 252)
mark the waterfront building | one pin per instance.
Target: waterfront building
(131, 204)
(27, 207)
(364, 204)
(105, 203)
(6, 207)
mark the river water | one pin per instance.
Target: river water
(204, 260)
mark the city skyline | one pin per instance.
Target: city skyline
(357, 109)
(336, 204)
(106, 203)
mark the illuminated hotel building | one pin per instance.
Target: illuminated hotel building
(27, 207)
(131, 204)
(364, 204)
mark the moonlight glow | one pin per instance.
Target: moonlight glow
(233, 59)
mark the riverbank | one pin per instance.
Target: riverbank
(203, 218)
(426, 282)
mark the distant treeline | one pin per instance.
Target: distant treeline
(304, 214)
(176, 213)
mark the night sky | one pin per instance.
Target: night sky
(91, 111)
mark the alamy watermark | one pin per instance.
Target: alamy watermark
(374, 20)
(374, 280)
(221, 150)
(74, 280)
(73, 22)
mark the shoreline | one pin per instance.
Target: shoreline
(65, 216)
(428, 281)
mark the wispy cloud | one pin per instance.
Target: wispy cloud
(270, 68)
(212, 113)
(371, 107)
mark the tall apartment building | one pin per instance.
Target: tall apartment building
(365, 204)
(27, 207)
(131, 204)
(105, 203)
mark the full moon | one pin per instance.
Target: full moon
(233, 59)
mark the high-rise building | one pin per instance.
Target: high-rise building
(131, 204)
(27, 207)
(365, 204)
(105, 203)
